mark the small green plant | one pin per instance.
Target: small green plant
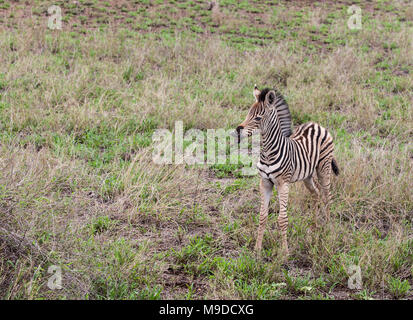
(364, 294)
(398, 288)
(197, 257)
(100, 224)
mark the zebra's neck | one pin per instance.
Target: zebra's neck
(273, 142)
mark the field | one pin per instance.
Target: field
(79, 189)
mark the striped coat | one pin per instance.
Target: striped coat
(286, 157)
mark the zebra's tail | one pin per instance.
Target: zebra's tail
(334, 166)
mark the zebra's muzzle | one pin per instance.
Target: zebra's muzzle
(239, 128)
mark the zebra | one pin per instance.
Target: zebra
(287, 157)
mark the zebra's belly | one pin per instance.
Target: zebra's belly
(272, 172)
(299, 175)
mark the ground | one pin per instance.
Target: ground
(79, 189)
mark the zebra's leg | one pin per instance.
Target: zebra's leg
(266, 187)
(314, 188)
(324, 177)
(311, 185)
(282, 217)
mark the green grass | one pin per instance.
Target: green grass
(79, 189)
(399, 289)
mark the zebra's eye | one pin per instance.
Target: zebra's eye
(258, 118)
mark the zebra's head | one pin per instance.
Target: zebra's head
(264, 99)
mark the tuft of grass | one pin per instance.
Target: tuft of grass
(398, 288)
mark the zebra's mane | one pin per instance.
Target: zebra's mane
(283, 111)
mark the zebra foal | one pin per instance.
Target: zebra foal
(287, 157)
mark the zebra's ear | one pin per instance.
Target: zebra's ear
(270, 98)
(256, 93)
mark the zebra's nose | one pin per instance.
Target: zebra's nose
(239, 128)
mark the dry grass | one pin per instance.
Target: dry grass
(78, 187)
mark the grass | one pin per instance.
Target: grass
(78, 188)
(399, 289)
